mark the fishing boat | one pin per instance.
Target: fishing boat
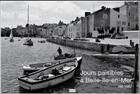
(64, 56)
(28, 41)
(11, 37)
(50, 76)
(37, 66)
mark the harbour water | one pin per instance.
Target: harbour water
(14, 54)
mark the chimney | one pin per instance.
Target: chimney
(87, 13)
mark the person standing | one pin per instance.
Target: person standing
(59, 51)
(108, 48)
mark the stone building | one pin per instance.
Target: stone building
(109, 21)
(59, 31)
(130, 9)
(75, 28)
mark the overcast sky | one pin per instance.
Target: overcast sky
(14, 13)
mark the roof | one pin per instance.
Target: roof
(100, 10)
(117, 9)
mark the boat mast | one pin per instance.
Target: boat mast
(11, 34)
(28, 20)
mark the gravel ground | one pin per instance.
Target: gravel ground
(99, 65)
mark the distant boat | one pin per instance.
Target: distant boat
(42, 41)
(28, 41)
(18, 39)
(50, 76)
(11, 37)
(37, 66)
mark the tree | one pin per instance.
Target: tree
(77, 19)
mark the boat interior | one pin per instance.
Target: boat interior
(41, 64)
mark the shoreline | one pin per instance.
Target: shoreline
(93, 46)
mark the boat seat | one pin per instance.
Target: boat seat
(30, 80)
(66, 68)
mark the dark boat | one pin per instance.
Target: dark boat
(64, 56)
(11, 39)
(28, 42)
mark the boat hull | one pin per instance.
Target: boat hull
(46, 84)
(27, 70)
(11, 40)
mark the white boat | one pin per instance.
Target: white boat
(37, 66)
(11, 37)
(50, 76)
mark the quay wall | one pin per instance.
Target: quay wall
(86, 45)
(110, 59)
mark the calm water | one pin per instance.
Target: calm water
(13, 55)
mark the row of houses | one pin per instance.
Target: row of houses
(106, 21)
(103, 22)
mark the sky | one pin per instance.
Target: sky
(14, 13)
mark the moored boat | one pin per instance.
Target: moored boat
(11, 39)
(50, 76)
(42, 41)
(64, 56)
(28, 42)
(37, 66)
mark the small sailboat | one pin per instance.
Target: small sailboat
(50, 76)
(28, 41)
(11, 37)
(37, 66)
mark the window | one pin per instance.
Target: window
(128, 24)
(118, 16)
(123, 23)
(122, 28)
(129, 13)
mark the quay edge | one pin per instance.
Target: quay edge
(92, 46)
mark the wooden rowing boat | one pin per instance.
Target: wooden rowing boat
(37, 66)
(50, 76)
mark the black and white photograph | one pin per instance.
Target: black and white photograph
(69, 46)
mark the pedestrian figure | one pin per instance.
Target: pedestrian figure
(130, 42)
(102, 49)
(108, 48)
(97, 40)
(59, 51)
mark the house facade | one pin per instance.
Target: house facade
(118, 21)
(74, 29)
(59, 31)
(108, 21)
(130, 9)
